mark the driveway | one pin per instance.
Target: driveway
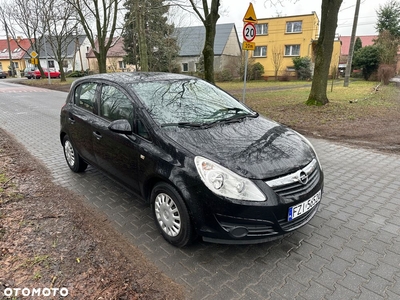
(349, 250)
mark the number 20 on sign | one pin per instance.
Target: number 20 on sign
(249, 32)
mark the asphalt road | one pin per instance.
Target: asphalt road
(349, 250)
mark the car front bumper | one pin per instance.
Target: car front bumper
(229, 221)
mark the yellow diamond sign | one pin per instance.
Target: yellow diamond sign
(34, 54)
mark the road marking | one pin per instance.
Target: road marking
(21, 89)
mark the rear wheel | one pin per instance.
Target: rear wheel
(171, 215)
(74, 161)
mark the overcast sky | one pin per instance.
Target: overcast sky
(234, 11)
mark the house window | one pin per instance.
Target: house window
(185, 67)
(15, 63)
(292, 50)
(292, 27)
(290, 69)
(121, 64)
(65, 63)
(51, 63)
(261, 29)
(260, 51)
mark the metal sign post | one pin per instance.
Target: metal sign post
(245, 76)
(249, 33)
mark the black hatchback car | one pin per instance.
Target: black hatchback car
(207, 164)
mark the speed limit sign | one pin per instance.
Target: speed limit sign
(249, 32)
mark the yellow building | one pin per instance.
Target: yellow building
(279, 40)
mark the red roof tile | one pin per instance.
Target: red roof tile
(366, 40)
(17, 52)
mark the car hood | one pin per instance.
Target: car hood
(255, 148)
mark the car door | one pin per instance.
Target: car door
(81, 116)
(116, 153)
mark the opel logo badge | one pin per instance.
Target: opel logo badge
(303, 177)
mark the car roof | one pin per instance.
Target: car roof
(131, 77)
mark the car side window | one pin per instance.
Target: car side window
(115, 105)
(85, 95)
(142, 130)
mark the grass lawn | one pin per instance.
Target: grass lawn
(285, 101)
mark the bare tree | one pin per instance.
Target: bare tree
(101, 15)
(61, 26)
(277, 58)
(209, 17)
(25, 22)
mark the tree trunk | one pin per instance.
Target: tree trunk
(101, 57)
(208, 51)
(210, 24)
(323, 52)
(143, 54)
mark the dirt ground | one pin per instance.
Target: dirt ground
(50, 240)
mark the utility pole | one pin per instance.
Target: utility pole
(351, 50)
(9, 51)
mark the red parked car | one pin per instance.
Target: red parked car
(53, 74)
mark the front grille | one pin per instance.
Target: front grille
(290, 186)
(293, 188)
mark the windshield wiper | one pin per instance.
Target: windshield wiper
(236, 110)
(239, 117)
(182, 124)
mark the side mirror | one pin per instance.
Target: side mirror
(121, 126)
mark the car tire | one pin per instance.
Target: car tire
(74, 161)
(171, 215)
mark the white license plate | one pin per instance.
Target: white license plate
(303, 207)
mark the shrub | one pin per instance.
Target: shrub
(367, 59)
(385, 73)
(302, 65)
(285, 76)
(256, 71)
(77, 74)
(224, 75)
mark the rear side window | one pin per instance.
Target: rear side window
(85, 95)
(115, 105)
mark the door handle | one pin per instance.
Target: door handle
(71, 120)
(97, 135)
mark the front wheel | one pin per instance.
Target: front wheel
(74, 161)
(171, 215)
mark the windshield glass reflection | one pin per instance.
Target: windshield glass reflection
(188, 102)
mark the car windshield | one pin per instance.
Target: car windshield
(189, 102)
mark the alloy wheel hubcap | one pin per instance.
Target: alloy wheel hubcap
(69, 153)
(167, 214)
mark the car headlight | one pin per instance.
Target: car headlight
(226, 183)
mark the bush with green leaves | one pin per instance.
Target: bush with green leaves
(367, 59)
(302, 65)
(255, 71)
